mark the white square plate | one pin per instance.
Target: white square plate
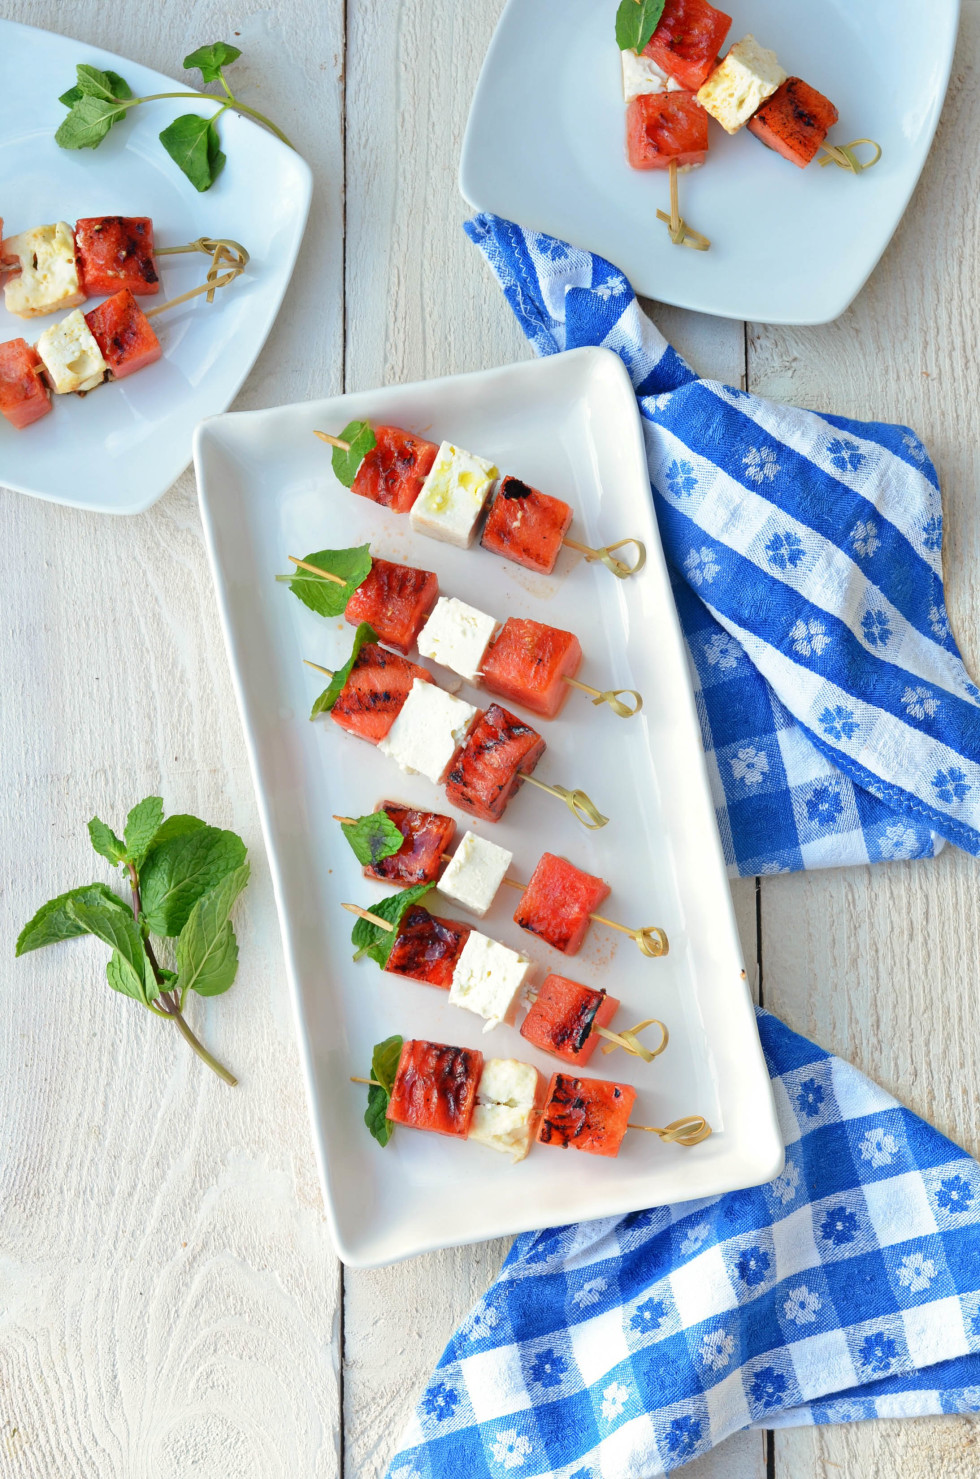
(545, 146)
(119, 449)
(570, 425)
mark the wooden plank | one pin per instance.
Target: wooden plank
(880, 964)
(168, 1301)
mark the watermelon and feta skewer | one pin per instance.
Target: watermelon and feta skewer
(446, 490)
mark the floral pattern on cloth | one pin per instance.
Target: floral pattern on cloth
(840, 724)
(700, 1329)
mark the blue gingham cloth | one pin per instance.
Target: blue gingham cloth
(847, 1288)
(839, 722)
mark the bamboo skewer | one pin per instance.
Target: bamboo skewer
(680, 233)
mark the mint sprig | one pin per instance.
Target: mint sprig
(636, 21)
(373, 837)
(362, 441)
(101, 99)
(184, 877)
(327, 597)
(371, 939)
(364, 633)
(384, 1068)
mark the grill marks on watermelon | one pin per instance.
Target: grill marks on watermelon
(435, 1087)
(427, 948)
(687, 41)
(395, 601)
(499, 749)
(24, 396)
(664, 128)
(587, 1114)
(528, 663)
(563, 1018)
(114, 252)
(526, 526)
(378, 684)
(393, 472)
(124, 334)
(558, 901)
(795, 121)
(427, 836)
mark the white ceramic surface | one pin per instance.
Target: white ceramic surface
(544, 146)
(119, 449)
(570, 424)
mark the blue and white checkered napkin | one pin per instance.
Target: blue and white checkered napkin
(847, 1288)
(839, 722)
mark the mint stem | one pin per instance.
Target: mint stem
(208, 97)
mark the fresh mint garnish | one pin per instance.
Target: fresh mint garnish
(326, 597)
(636, 21)
(372, 837)
(384, 1067)
(362, 440)
(371, 939)
(330, 695)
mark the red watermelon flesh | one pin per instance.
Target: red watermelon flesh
(526, 526)
(24, 396)
(794, 121)
(486, 772)
(687, 41)
(664, 128)
(427, 948)
(435, 1087)
(395, 601)
(427, 836)
(378, 685)
(558, 901)
(393, 472)
(528, 663)
(123, 333)
(586, 1113)
(563, 1018)
(114, 252)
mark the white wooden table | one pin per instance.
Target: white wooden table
(169, 1300)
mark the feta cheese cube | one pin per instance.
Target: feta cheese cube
(457, 636)
(71, 356)
(504, 1113)
(487, 979)
(430, 728)
(641, 74)
(475, 873)
(48, 276)
(741, 83)
(453, 496)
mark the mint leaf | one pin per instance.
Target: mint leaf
(87, 124)
(95, 84)
(192, 143)
(384, 1067)
(124, 978)
(71, 96)
(330, 695)
(636, 23)
(105, 841)
(118, 929)
(177, 826)
(142, 825)
(54, 922)
(325, 597)
(362, 440)
(372, 837)
(371, 939)
(209, 60)
(207, 952)
(178, 872)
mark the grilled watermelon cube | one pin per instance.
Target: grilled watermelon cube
(794, 121)
(435, 1087)
(687, 41)
(24, 396)
(563, 1018)
(114, 252)
(664, 128)
(378, 685)
(526, 526)
(499, 749)
(123, 333)
(395, 600)
(419, 859)
(586, 1113)
(528, 662)
(393, 472)
(427, 948)
(558, 901)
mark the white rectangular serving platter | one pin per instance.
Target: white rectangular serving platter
(568, 424)
(119, 449)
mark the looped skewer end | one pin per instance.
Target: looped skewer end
(690, 1130)
(224, 253)
(611, 697)
(651, 940)
(687, 236)
(581, 806)
(844, 157)
(630, 1043)
(619, 568)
